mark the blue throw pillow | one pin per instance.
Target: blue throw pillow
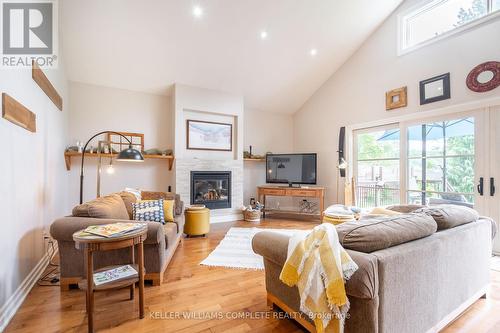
(149, 210)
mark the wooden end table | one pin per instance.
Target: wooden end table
(91, 244)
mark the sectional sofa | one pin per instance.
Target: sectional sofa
(417, 271)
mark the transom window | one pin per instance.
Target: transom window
(436, 18)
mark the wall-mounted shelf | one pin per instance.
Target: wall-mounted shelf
(69, 154)
(254, 159)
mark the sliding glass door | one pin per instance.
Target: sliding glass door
(427, 161)
(441, 162)
(450, 159)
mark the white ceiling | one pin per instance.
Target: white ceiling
(148, 45)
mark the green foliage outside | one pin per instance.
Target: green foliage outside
(478, 9)
(459, 170)
(370, 148)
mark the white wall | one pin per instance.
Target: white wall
(356, 92)
(33, 180)
(266, 132)
(97, 108)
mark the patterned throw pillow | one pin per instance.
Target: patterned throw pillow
(168, 209)
(149, 211)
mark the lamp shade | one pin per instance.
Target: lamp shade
(342, 164)
(130, 155)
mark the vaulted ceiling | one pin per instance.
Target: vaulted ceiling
(147, 45)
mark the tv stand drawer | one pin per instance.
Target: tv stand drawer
(273, 191)
(300, 193)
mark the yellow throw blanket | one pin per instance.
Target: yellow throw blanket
(319, 266)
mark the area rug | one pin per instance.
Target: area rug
(235, 250)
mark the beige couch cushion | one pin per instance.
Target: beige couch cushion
(170, 233)
(128, 198)
(450, 216)
(405, 209)
(151, 195)
(383, 232)
(108, 207)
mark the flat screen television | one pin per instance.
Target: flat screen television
(291, 168)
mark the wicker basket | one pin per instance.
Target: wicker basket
(252, 215)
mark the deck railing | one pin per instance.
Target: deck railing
(375, 196)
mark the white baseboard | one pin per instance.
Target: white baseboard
(9, 309)
(225, 218)
(458, 311)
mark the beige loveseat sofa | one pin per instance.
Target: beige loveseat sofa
(159, 247)
(415, 286)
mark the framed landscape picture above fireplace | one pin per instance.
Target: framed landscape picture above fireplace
(207, 135)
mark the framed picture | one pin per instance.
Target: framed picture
(207, 135)
(395, 98)
(435, 89)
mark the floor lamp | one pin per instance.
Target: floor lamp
(129, 155)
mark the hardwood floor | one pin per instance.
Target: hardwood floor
(189, 287)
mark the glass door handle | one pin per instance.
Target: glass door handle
(492, 186)
(480, 186)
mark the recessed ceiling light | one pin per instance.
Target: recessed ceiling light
(263, 34)
(313, 52)
(197, 11)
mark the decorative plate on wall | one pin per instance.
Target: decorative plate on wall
(484, 77)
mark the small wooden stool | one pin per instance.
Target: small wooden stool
(90, 244)
(197, 222)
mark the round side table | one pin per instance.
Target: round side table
(91, 244)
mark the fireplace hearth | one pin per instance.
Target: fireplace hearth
(211, 188)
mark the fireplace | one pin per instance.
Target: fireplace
(211, 188)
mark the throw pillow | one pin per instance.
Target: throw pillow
(108, 207)
(405, 209)
(168, 209)
(450, 216)
(178, 206)
(383, 232)
(135, 191)
(151, 211)
(128, 198)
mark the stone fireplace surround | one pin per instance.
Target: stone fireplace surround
(183, 184)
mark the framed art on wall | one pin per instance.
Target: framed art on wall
(435, 89)
(395, 98)
(207, 135)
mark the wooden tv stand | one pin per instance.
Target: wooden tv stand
(286, 191)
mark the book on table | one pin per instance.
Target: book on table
(114, 274)
(111, 230)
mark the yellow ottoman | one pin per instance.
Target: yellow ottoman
(197, 222)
